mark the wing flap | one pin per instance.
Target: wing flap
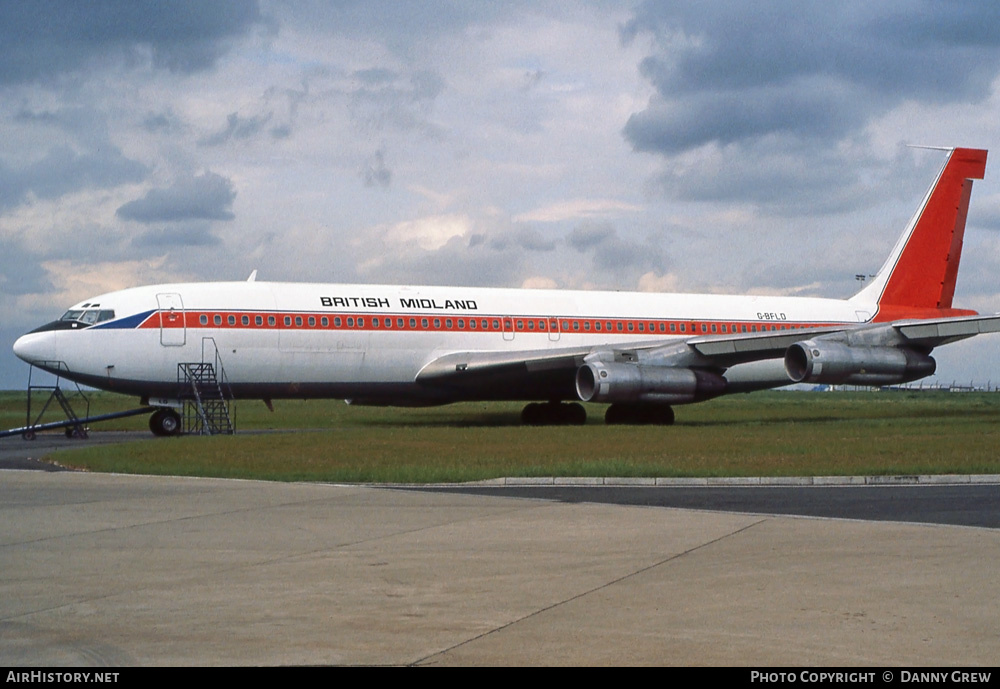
(938, 332)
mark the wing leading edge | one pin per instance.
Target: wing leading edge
(690, 370)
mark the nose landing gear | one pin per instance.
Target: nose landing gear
(165, 422)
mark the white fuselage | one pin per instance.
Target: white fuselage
(370, 341)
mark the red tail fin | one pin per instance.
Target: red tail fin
(924, 264)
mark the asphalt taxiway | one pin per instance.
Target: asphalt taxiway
(126, 570)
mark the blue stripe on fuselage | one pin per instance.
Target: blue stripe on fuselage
(129, 322)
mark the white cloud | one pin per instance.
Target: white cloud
(578, 209)
(430, 233)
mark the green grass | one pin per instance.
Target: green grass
(764, 434)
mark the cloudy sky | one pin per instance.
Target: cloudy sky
(698, 147)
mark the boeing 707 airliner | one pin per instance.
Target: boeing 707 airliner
(641, 352)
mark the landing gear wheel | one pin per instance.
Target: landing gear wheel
(533, 415)
(554, 414)
(165, 422)
(574, 414)
(639, 414)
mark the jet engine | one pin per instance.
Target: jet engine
(818, 361)
(600, 381)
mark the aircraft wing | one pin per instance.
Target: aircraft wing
(714, 353)
(937, 332)
(548, 369)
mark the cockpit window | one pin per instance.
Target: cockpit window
(88, 317)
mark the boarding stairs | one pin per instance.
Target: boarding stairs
(74, 424)
(204, 390)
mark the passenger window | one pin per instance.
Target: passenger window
(399, 323)
(361, 322)
(271, 321)
(715, 328)
(496, 324)
(350, 321)
(218, 319)
(448, 323)
(312, 321)
(325, 322)
(461, 324)
(203, 319)
(423, 322)
(298, 321)
(337, 322)
(437, 323)
(246, 320)
(232, 320)
(673, 327)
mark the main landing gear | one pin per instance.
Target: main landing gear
(573, 414)
(165, 422)
(639, 414)
(554, 414)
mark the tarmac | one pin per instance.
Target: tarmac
(110, 570)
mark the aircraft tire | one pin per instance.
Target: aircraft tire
(575, 414)
(532, 415)
(639, 415)
(165, 422)
(554, 414)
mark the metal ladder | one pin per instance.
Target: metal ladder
(203, 389)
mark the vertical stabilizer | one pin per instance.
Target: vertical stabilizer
(920, 272)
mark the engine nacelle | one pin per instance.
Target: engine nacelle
(617, 382)
(817, 361)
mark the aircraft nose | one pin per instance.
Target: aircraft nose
(36, 347)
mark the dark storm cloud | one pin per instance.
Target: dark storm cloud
(64, 170)
(206, 197)
(44, 39)
(731, 72)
